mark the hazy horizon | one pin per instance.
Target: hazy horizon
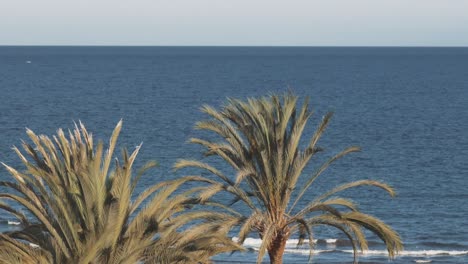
(227, 46)
(359, 23)
(231, 46)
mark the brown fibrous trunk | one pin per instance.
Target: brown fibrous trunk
(276, 249)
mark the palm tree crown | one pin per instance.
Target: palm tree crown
(260, 140)
(80, 209)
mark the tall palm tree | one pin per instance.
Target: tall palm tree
(260, 140)
(80, 208)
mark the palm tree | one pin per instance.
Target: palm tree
(15, 251)
(260, 139)
(81, 209)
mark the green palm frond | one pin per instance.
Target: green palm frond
(261, 140)
(14, 251)
(79, 198)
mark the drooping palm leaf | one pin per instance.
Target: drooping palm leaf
(81, 208)
(260, 139)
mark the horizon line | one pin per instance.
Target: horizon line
(236, 46)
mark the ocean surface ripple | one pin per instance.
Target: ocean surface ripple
(406, 108)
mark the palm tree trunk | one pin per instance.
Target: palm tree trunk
(276, 249)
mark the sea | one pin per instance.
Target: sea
(407, 108)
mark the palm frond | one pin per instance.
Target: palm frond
(260, 138)
(82, 210)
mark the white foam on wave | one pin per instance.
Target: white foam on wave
(409, 253)
(423, 261)
(291, 244)
(256, 242)
(33, 245)
(13, 222)
(307, 251)
(416, 253)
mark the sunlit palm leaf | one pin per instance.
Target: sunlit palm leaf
(260, 139)
(81, 208)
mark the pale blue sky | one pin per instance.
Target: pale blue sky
(235, 22)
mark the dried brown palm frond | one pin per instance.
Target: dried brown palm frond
(260, 139)
(81, 210)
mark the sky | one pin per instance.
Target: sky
(235, 22)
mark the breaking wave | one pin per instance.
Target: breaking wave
(9, 222)
(256, 242)
(407, 253)
(13, 223)
(291, 247)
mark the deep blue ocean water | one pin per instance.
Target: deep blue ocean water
(406, 107)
